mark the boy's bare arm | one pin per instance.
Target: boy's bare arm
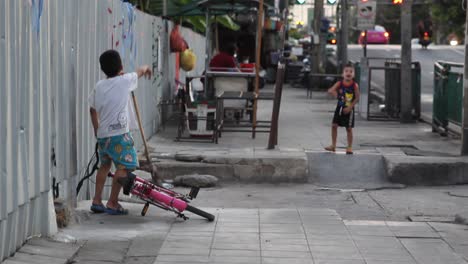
(332, 90)
(94, 120)
(144, 70)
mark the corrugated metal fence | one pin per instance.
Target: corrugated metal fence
(49, 53)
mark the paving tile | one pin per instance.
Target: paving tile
(434, 251)
(364, 223)
(269, 236)
(317, 212)
(390, 262)
(411, 229)
(235, 260)
(266, 260)
(36, 259)
(238, 229)
(234, 253)
(339, 261)
(182, 258)
(185, 251)
(376, 242)
(287, 241)
(326, 230)
(314, 221)
(63, 253)
(286, 254)
(370, 230)
(335, 252)
(109, 251)
(179, 233)
(190, 239)
(237, 224)
(243, 246)
(138, 260)
(147, 245)
(186, 245)
(284, 247)
(282, 228)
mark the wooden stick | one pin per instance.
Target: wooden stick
(142, 132)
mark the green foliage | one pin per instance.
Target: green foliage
(295, 34)
(448, 16)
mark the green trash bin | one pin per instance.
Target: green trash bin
(393, 89)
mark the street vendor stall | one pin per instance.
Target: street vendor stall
(229, 87)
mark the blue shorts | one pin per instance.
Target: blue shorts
(118, 149)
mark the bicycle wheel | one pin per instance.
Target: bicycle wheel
(199, 212)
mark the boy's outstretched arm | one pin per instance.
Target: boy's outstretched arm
(144, 70)
(94, 120)
(332, 90)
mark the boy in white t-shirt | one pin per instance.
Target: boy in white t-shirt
(110, 114)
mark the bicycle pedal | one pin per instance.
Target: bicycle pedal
(194, 192)
(127, 183)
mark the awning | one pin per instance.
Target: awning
(216, 7)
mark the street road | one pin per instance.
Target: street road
(427, 58)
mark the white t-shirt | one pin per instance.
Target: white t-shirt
(111, 99)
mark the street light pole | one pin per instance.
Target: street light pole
(464, 149)
(344, 33)
(406, 115)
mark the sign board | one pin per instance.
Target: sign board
(366, 11)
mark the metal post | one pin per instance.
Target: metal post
(164, 8)
(464, 149)
(257, 64)
(405, 82)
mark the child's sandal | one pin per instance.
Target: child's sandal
(330, 148)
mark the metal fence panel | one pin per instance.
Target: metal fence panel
(49, 52)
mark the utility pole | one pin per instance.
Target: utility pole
(316, 47)
(406, 83)
(464, 150)
(344, 34)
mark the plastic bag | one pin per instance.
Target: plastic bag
(177, 42)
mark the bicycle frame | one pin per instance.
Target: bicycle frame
(159, 196)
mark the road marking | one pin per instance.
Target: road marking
(458, 51)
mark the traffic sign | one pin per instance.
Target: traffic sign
(366, 11)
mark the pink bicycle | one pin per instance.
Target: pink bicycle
(151, 193)
(162, 197)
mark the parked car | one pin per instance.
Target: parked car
(376, 36)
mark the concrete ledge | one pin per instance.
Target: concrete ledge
(411, 170)
(338, 170)
(252, 170)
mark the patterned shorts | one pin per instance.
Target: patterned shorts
(118, 149)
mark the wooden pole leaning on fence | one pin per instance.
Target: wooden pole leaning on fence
(257, 65)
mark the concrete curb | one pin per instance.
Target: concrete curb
(243, 169)
(412, 170)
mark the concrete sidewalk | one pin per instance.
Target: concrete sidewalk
(407, 154)
(242, 235)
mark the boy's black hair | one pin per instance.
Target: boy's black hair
(348, 65)
(111, 64)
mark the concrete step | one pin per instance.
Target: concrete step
(384, 168)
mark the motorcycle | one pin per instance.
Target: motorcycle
(303, 78)
(425, 40)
